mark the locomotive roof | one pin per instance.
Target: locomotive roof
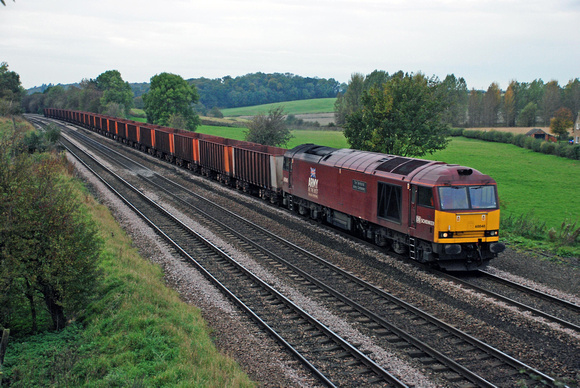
(389, 166)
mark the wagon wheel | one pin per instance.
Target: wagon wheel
(399, 247)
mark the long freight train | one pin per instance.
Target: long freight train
(438, 213)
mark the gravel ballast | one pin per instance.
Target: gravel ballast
(528, 337)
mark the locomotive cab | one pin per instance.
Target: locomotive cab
(466, 230)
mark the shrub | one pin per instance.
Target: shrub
(519, 140)
(567, 235)
(455, 132)
(488, 136)
(507, 137)
(470, 133)
(526, 225)
(216, 112)
(536, 144)
(547, 147)
(559, 147)
(573, 152)
(528, 141)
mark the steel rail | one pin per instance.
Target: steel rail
(361, 356)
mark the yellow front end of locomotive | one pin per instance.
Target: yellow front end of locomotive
(464, 227)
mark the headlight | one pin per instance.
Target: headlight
(445, 234)
(491, 233)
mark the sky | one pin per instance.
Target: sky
(483, 41)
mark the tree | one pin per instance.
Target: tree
(115, 90)
(350, 101)
(11, 91)
(561, 122)
(90, 97)
(269, 130)
(454, 93)
(48, 246)
(491, 104)
(402, 117)
(509, 105)
(527, 116)
(170, 94)
(572, 96)
(475, 108)
(551, 100)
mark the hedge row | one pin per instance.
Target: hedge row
(565, 150)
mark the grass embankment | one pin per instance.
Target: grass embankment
(138, 333)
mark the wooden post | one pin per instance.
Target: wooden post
(3, 346)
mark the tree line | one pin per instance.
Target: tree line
(261, 88)
(250, 89)
(523, 104)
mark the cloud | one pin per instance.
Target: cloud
(483, 41)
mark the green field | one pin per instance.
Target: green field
(318, 105)
(530, 183)
(328, 138)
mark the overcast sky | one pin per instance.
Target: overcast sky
(483, 41)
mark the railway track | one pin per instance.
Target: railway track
(553, 309)
(333, 360)
(374, 318)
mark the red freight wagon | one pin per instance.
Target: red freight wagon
(215, 156)
(132, 133)
(98, 123)
(121, 129)
(147, 138)
(111, 127)
(186, 149)
(164, 143)
(259, 167)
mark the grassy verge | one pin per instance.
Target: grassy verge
(138, 332)
(317, 105)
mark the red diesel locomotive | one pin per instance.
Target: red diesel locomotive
(432, 211)
(438, 213)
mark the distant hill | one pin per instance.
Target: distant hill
(247, 90)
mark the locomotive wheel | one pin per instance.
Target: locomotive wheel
(399, 247)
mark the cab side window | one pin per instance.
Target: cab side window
(425, 196)
(287, 166)
(389, 202)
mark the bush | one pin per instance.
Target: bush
(573, 152)
(216, 112)
(472, 134)
(455, 132)
(559, 149)
(526, 225)
(528, 141)
(519, 140)
(488, 136)
(536, 144)
(547, 147)
(568, 234)
(507, 137)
